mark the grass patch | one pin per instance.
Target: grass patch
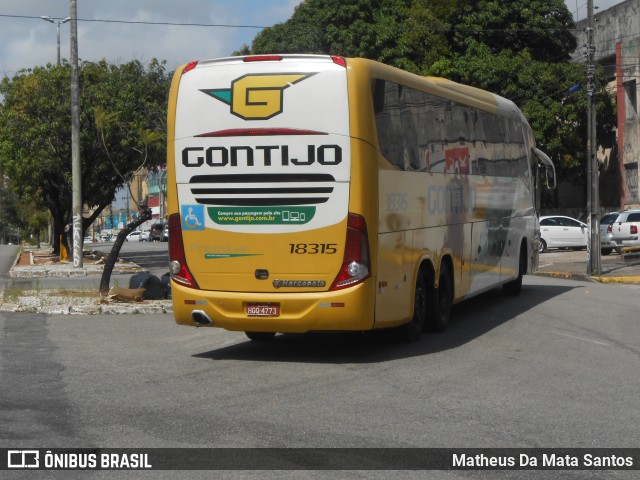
(11, 294)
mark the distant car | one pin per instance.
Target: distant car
(165, 233)
(145, 235)
(562, 232)
(86, 240)
(619, 230)
(156, 232)
(133, 236)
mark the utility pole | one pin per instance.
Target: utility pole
(593, 197)
(76, 179)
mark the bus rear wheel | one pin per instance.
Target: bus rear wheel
(439, 302)
(260, 336)
(410, 332)
(514, 287)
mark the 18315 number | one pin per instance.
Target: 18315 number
(313, 248)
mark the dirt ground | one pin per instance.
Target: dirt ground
(42, 258)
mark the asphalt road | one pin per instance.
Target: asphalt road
(556, 367)
(152, 256)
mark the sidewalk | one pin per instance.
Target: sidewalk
(50, 286)
(615, 268)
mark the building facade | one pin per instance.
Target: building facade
(617, 41)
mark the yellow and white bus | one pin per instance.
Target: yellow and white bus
(319, 193)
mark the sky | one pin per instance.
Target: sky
(31, 41)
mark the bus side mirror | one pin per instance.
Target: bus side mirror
(546, 167)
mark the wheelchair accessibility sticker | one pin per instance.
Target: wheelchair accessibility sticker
(192, 217)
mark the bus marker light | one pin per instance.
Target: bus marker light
(262, 58)
(189, 66)
(339, 60)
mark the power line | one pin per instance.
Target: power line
(140, 22)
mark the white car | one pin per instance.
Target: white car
(145, 236)
(619, 230)
(562, 232)
(134, 236)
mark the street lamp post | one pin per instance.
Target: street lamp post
(47, 18)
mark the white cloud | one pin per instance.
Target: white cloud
(29, 42)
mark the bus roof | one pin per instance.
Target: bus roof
(442, 87)
(439, 86)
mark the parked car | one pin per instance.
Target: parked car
(106, 237)
(562, 232)
(133, 236)
(145, 236)
(165, 233)
(620, 230)
(607, 245)
(156, 232)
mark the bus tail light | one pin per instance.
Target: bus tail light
(177, 261)
(356, 264)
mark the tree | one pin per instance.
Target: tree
(540, 27)
(105, 124)
(403, 33)
(35, 132)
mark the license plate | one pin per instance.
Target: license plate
(263, 310)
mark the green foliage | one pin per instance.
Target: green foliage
(539, 27)
(403, 33)
(35, 131)
(24, 216)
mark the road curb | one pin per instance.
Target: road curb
(161, 307)
(590, 278)
(632, 279)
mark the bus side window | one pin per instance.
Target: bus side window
(388, 122)
(378, 95)
(410, 102)
(519, 149)
(431, 132)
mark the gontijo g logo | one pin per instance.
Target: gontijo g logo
(257, 96)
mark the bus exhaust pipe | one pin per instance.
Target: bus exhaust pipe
(201, 318)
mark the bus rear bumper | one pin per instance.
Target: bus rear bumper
(351, 309)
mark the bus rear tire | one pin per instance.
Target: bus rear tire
(439, 302)
(260, 336)
(410, 332)
(514, 287)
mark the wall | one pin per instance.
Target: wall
(621, 24)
